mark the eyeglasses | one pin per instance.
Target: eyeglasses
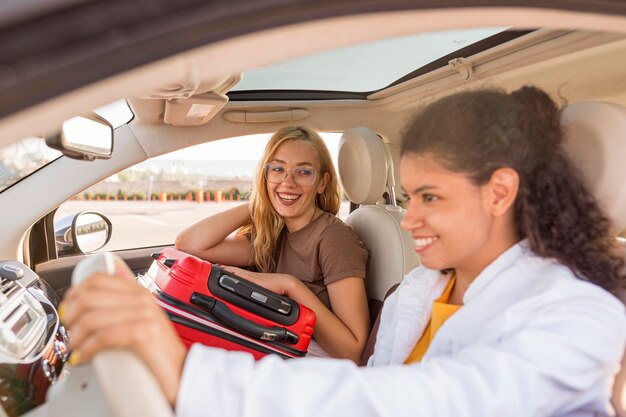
(303, 176)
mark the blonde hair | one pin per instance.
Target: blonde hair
(267, 224)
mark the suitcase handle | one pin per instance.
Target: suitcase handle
(243, 325)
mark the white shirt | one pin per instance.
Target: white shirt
(531, 340)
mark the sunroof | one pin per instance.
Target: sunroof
(362, 68)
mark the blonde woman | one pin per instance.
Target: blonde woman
(289, 231)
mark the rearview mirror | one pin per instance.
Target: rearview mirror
(86, 138)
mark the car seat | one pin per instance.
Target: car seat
(366, 173)
(596, 143)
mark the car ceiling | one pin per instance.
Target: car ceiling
(574, 65)
(40, 60)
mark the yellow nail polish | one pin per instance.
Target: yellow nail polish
(74, 358)
(61, 311)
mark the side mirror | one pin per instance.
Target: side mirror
(82, 233)
(86, 138)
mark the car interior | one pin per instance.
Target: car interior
(193, 97)
(595, 140)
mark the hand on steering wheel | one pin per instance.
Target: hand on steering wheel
(108, 310)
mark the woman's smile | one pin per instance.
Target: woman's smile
(288, 199)
(423, 243)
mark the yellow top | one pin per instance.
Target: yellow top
(441, 312)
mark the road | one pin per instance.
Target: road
(143, 224)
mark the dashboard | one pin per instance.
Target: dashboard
(33, 344)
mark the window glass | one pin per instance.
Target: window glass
(366, 67)
(151, 202)
(22, 159)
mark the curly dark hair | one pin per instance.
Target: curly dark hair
(480, 131)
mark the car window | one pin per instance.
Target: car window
(21, 159)
(334, 70)
(151, 202)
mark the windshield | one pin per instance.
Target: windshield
(22, 159)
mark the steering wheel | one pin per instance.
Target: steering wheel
(116, 383)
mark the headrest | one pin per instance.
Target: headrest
(365, 167)
(596, 143)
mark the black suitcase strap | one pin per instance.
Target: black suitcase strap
(241, 324)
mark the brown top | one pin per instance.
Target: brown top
(322, 252)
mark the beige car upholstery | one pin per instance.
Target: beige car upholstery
(596, 142)
(366, 172)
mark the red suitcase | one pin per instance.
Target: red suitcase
(216, 308)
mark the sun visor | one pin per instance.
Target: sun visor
(193, 111)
